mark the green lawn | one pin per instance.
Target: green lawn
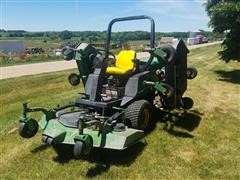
(210, 149)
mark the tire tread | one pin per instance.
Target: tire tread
(134, 111)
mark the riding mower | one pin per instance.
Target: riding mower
(120, 93)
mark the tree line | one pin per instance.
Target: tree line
(93, 36)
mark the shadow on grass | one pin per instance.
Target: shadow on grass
(97, 170)
(102, 158)
(229, 76)
(64, 153)
(185, 120)
(39, 148)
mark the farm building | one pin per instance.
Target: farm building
(166, 40)
(12, 46)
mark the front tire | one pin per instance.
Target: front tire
(138, 114)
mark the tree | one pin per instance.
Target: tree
(225, 18)
(66, 35)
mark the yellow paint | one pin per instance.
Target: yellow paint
(124, 63)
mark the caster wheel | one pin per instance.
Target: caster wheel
(68, 53)
(29, 129)
(191, 72)
(74, 79)
(78, 149)
(186, 103)
(47, 140)
(82, 150)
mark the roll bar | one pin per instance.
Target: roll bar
(130, 18)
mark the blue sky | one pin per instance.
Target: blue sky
(79, 15)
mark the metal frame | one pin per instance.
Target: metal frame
(130, 18)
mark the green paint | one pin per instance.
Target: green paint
(158, 61)
(160, 53)
(111, 140)
(157, 85)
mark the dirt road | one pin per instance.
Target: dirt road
(38, 68)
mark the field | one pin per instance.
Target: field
(41, 44)
(48, 54)
(203, 143)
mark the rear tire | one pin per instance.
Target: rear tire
(138, 114)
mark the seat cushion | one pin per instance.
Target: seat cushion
(125, 59)
(124, 63)
(117, 71)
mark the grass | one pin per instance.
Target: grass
(41, 44)
(209, 149)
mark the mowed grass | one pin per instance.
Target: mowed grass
(202, 144)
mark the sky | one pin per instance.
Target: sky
(94, 15)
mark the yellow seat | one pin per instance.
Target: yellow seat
(124, 63)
